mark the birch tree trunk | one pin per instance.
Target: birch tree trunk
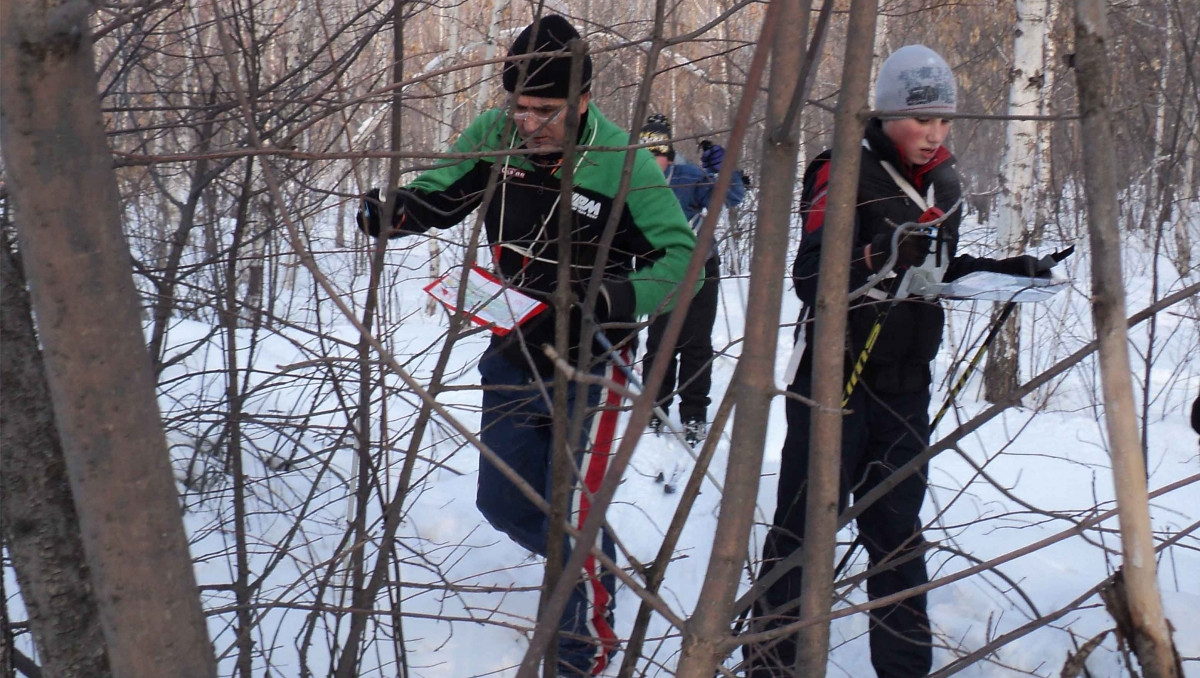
(1045, 197)
(1018, 186)
(485, 87)
(1151, 636)
(1188, 213)
(99, 374)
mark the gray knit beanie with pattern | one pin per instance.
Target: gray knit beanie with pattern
(915, 81)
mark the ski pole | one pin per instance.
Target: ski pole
(993, 332)
(627, 370)
(881, 317)
(1049, 261)
(861, 363)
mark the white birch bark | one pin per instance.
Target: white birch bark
(1160, 128)
(1189, 209)
(489, 52)
(1044, 194)
(881, 53)
(1017, 182)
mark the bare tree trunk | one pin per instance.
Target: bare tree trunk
(1152, 638)
(1018, 185)
(364, 592)
(829, 351)
(231, 314)
(98, 371)
(708, 630)
(39, 523)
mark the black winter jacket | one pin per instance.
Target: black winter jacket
(910, 336)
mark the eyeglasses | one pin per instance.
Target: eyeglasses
(542, 116)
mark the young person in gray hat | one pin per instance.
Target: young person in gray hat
(907, 175)
(649, 254)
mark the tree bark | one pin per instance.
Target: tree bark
(99, 374)
(40, 527)
(708, 630)
(829, 345)
(1151, 635)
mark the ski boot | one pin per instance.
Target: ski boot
(694, 431)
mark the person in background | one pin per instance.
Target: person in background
(907, 175)
(1195, 419)
(690, 362)
(523, 143)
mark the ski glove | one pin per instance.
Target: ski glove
(614, 303)
(911, 249)
(711, 156)
(1025, 265)
(370, 212)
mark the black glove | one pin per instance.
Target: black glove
(746, 180)
(614, 303)
(711, 156)
(911, 249)
(370, 211)
(1025, 265)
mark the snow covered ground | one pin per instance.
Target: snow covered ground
(470, 595)
(1022, 477)
(1054, 471)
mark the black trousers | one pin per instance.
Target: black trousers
(881, 433)
(692, 359)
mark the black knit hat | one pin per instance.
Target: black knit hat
(658, 129)
(548, 77)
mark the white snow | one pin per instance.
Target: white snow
(1047, 468)
(470, 595)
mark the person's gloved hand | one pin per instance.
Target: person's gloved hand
(911, 249)
(614, 303)
(370, 211)
(746, 180)
(711, 156)
(1026, 265)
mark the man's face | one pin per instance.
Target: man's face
(917, 138)
(542, 121)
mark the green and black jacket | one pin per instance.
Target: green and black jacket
(650, 249)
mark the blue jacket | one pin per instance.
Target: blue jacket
(693, 187)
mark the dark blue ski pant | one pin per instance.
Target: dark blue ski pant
(516, 425)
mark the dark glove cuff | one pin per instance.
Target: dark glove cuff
(1021, 265)
(370, 214)
(881, 247)
(618, 299)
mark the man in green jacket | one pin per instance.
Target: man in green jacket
(649, 251)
